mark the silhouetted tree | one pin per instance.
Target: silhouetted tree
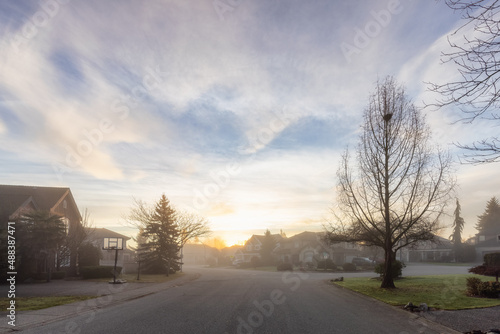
(394, 193)
(477, 57)
(160, 250)
(266, 250)
(490, 219)
(40, 232)
(188, 226)
(456, 237)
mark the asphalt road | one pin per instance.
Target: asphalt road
(240, 301)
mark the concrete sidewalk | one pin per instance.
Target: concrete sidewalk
(108, 294)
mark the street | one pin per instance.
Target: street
(245, 301)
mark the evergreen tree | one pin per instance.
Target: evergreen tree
(40, 233)
(490, 219)
(267, 248)
(160, 249)
(456, 237)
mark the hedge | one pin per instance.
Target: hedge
(99, 271)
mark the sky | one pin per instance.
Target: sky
(236, 110)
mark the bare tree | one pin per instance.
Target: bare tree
(394, 193)
(476, 92)
(76, 236)
(192, 226)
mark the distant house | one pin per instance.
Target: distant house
(439, 250)
(126, 257)
(253, 246)
(310, 248)
(16, 201)
(486, 242)
(193, 254)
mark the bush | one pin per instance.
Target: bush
(284, 267)
(58, 274)
(99, 272)
(492, 259)
(490, 267)
(396, 269)
(89, 255)
(473, 286)
(349, 267)
(489, 289)
(326, 264)
(255, 261)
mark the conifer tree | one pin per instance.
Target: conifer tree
(456, 237)
(490, 219)
(160, 249)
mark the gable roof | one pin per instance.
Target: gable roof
(101, 233)
(13, 197)
(307, 236)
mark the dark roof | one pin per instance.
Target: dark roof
(101, 233)
(306, 236)
(45, 198)
(260, 237)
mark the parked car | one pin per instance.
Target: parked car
(362, 261)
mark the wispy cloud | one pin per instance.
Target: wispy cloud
(122, 99)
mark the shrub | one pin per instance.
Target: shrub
(309, 265)
(349, 267)
(284, 267)
(326, 264)
(255, 261)
(473, 286)
(396, 269)
(98, 272)
(89, 255)
(490, 267)
(492, 259)
(58, 274)
(489, 289)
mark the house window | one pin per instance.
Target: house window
(257, 247)
(66, 224)
(482, 238)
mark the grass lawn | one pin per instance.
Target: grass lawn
(143, 278)
(38, 303)
(445, 292)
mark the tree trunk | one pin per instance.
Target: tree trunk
(388, 281)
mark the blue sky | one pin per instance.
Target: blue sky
(238, 110)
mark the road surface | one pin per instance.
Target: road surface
(244, 301)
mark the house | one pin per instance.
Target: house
(16, 201)
(126, 257)
(310, 248)
(253, 246)
(193, 254)
(486, 242)
(439, 250)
